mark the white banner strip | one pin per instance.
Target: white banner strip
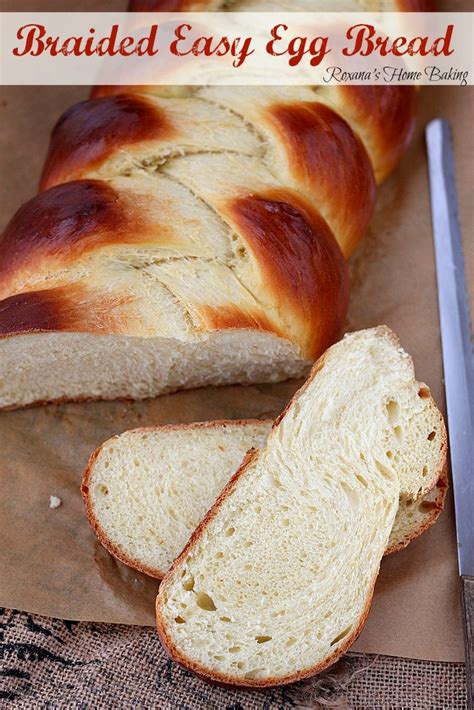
(236, 48)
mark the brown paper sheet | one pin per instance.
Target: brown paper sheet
(50, 561)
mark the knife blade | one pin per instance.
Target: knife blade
(456, 342)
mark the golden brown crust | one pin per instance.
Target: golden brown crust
(91, 131)
(300, 261)
(386, 114)
(54, 230)
(232, 317)
(101, 535)
(328, 159)
(60, 224)
(383, 116)
(388, 117)
(295, 253)
(73, 308)
(305, 281)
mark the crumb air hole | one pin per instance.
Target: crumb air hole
(393, 411)
(427, 505)
(383, 470)
(188, 584)
(340, 636)
(205, 602)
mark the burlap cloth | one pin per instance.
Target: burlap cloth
(48, 663)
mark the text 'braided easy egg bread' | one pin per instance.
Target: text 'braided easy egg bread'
(276, 581)
(196, 237)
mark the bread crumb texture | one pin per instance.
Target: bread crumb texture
(148, 489)
(277, 580)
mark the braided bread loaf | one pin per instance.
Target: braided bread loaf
(192, 239)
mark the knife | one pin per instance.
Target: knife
(457, 362)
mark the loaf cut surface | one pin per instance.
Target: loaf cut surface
(146, 490)
(276, 581)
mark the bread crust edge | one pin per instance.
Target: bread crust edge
(438, 504)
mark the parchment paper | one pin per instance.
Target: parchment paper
(50, 562)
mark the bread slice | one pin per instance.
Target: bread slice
(276, 581)
(146, 490)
